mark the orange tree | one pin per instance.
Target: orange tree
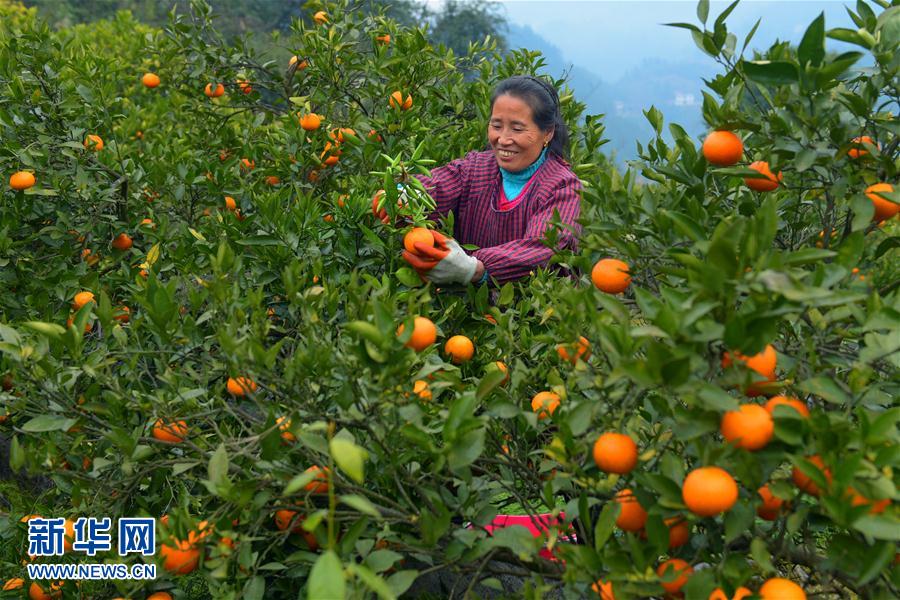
(240, 366)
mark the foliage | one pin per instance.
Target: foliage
(308, 308)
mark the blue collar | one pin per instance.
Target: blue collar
(521, 177)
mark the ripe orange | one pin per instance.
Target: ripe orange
(122, 242)
(604, 589)
(424, 334)
(148, 223)
(876, 507)
(722, 148)
(749, 427)
(319, 484)
(284, 425)
(340, 134)
(21, 180)
(611, 275)
(771, 505)
(374, 135)
(383, 39)
(806, 483)
(679, 531)
(230, 204)
(82, 298)
(763, 363)
(677, 568)
(739, 594)
(460, 348)
(416, 235)
(247, 164)
(302, 63)
(93, 142)
(36, 592)
(160, 596)
(856, 152)
(180, 557)
(421, 389)
(763, 185)
(781, 589)
(632, 515)
(615, 453)
(150, 80)
(173, 432)
(122, 314)
(273, 180)
(310, 121)
(501, 366)
(283, 520)
(884, 209)
(320, 17)
(214, 92)
(545, 404)
(797, 405)
(244, 86)
(16, 583)
(240, 386)
(583, 351)
(708, 491)
(398, 101)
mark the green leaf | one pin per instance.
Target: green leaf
(401, 581)
(45, 423)
(372, 581)
(850, 36)
(808, 256)
(366, 330)
(49, 329)
(327, 579)
(255, 588)
(738, 520)
(760, 554)
(876, 559)
(408, 277)
(298, 482)
(825, 388)
(259, 240)
(812, 46)
(703, 10)
(493, 377)
(605, 524)
(218, 466)
(880, 527)
(863, 211)
(349, 457)
(16, 454)
(361, 504)
(771, 72)
(466, 449)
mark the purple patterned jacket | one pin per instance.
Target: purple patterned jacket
(509, 241)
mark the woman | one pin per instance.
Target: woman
(504, 198)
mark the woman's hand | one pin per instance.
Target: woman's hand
(445, 263)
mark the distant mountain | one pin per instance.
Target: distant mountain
(673, 87)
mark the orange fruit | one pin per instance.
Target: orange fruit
(632, 515)
(273, 180)
(247, 164)
(328, 218)
(501, 366)
(150, 80)
(460, 348)
(21, 180)
(240, 386)
(856, 152)
(611, 275)
(771, 505)
(708, 491)
(876, 507)
(160, 596)
(416, 235)
(545, 404)
(374, 135)
(806, 483)
(340, 134)
(749, 427)
(615, 453)
(781, 589)
(884, 209)
(797, 405)
(313, 176)
(583, 350)
(604, 589)
(16, 583)
(283, 520)
(93, 142)
(722, 148)
(82, 298)
(677, 568)
(763, 363)
(383, 39)
(122, 314)
(319, 484)
(302, 63)
(148, 223)
(320, 17)
(244, 86)
(180, 557)
(122, 242)
(424, 334)
(230, 204)
(310, 122)
(284, 425)
(679, 531)
(36, 592)
(421, 389)
(214, 92)
(763, 185)
(397, 100)
(739, 594)
(331, 161)
(172, 432)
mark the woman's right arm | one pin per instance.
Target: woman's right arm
(448, 184)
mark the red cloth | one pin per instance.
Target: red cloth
(509, 241)
(537, 526)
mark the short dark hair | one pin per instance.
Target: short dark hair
(543, 100)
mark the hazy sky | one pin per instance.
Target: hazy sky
(610, 37)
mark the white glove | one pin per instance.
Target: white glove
(455, 267)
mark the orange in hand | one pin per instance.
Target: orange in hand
(417, 235)
(427, 256)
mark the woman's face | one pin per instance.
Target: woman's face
(514, 137)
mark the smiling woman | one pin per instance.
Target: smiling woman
(504, 198)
